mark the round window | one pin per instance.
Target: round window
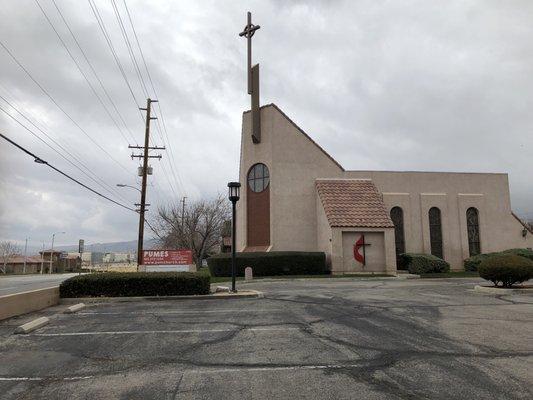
(258, 178)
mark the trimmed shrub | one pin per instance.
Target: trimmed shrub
(422, 263)
(122, 284)
(506, 269)
(472, 263)
(270, 263)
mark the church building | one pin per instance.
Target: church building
(296, 197)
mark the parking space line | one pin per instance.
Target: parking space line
(41, 378)
(195, 371)
(184, 312)
(160, 331)
(273, 368)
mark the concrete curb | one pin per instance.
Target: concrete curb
(74, 308)
(32, 325)
(218, 296)
(495, 290)
(408, 276)
(343, 279)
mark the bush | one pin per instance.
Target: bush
(121, 284)
(270, 263)
(422, 263)
(472, 263)
(506, 269)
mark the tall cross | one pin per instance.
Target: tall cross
(248, 32)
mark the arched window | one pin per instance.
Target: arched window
(396, 214)
(472, 226)
(435, 232)
(258, 178)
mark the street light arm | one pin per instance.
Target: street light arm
(132, 187)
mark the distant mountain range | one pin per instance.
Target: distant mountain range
(113, 247)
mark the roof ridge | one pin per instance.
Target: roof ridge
(301, 131)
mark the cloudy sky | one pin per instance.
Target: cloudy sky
(387, 85)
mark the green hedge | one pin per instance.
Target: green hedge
(506, 269)
(270, 263)
(422, 263)
(122, 284)
(472, 263)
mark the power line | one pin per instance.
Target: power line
(129, 48)
(171, 158)
(80, 70)
(76, 157)
(93, 69)
(59, 106)
(107, 38)
(58, 144)
(142, 83)
(41, 161)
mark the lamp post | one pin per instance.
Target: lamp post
(233, 195)
(52, 250)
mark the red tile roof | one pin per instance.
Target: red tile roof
(353, 203)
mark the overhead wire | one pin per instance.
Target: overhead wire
(143, 87)
(81, 70)
(41, 87)
(176, 176)
(39, 160)
(107, 38)
(110, 189)
(94, 71)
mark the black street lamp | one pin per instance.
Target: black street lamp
(233, 195)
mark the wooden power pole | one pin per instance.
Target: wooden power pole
(183, 214)
(145, 156)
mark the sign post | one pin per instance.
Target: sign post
(81, 248)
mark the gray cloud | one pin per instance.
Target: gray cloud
(410, 85)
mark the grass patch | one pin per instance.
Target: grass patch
(452, 274)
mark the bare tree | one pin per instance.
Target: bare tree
(198, 228)
(7, 250)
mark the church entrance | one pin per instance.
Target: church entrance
(374, 252)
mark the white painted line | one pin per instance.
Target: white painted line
(280, 368)
(32, 325)
(74, 308)
(41, 378)
(165, 331)
(188, 312)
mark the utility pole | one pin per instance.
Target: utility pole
(25, 255)
(145, 156)
(182, 213)
(42, 259)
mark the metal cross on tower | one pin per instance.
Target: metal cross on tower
(253, 80)
(248, 32)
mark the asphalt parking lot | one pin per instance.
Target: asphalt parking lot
(312, 339)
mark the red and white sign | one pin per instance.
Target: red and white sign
(167, 257)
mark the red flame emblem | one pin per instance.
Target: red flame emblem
(356, 247)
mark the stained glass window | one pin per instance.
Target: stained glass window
(435, 232)
(396, 214)
(472, 226)
(258, 178)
